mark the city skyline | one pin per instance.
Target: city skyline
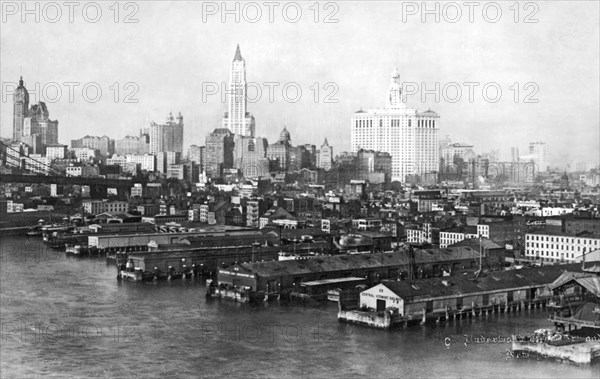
(369, 189)
(290, 58)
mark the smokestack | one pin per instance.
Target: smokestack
(583, 260)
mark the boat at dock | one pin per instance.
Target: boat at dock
(35, 231)
(548, 344)
(334, 295)
(576, 319)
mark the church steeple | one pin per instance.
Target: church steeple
(238, 54)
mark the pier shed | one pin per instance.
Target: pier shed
(458, 293)
(290, 274)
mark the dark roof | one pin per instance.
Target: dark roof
(277, 213)
(464, 284)
(463, 229)
(590, 282)
(473, 243)
(238, 54)
(354, 262)
(583, 234)
(221, 131)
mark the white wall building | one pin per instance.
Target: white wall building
(100, 206)
(410, 137)
(74, 170)
(252, 213)
(237, 119)
(146, 161)
(415, 236)
(56, 151)
(538, 153)
(13, 207)
(325, 156)
(84, 154)
(37, 163)
(380, 298)
(203, 215)
(449, 238)
(556, 248)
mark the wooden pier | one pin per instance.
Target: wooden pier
(390, 318)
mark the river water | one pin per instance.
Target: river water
(71, 318)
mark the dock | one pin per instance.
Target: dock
(391, 303)
(390, 317)
(585, 351)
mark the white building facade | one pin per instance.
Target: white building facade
(538, 153)
(561, 248)
(237, 119)
(325, 156)
(146, 161)
(410, 137)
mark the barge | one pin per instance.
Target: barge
(556, 345)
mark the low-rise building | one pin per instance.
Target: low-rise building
(137, 190)
(454, 235)
(74, 170)
(56, 151)
(103, 206)
(562, 247)
(275, 276)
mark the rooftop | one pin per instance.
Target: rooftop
(461, 285)
(473, 243)
(355, 262)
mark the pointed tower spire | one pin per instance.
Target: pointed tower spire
(394, 100)
(238, 54)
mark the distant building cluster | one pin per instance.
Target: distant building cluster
(32, 128)
(394, 143)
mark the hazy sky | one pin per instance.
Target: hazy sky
(171, 54)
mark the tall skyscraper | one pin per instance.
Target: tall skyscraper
(325, 156)
(410, 137)
(167, 137)
(249, 156)
(197, 154)
(374, 166)
(38, 122)
(20, 110)
(514, 154)
(219, 152)
(280, 150)
(539, 155)
(237, 119)
(452, 153)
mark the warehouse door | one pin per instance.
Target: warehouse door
(380, 305)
